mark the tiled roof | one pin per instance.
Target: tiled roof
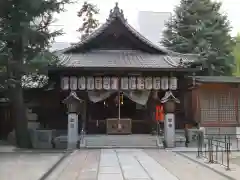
(116, 13)
(118, 58)
(121, 58)
(217, 79)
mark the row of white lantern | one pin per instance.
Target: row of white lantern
(107, 83)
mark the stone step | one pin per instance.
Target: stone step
(121, 141)
(120, 146)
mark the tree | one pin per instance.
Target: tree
(25, 37)
(198, 27)
(90, 23)
(236, 54)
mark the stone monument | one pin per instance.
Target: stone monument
(73, 104)
(169, 101)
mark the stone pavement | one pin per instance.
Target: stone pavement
(5, 147)
(26, 166)
(183, 168)
(233, 173)
(130, 164)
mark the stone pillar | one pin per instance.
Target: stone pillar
(169, 130)
(169, 124)
(169, 102)
(72, 130)
(73, 104)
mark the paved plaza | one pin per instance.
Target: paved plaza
(130, 164)
(27, 165)
(107, 164)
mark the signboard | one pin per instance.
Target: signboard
(125, 83)
(159, 113)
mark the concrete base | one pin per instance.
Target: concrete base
(82, 144)
(72, 145)
(238, 132)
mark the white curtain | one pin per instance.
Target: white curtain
(97, 96)
(139, 97)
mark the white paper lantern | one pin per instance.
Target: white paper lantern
(124, 83)
(140, 83)
(164, 83)
(90, 83)
(98, 83)
(156, 83)
(132, 83)
(114, 83)
(65, 83)
(148, 83)
(82, 83)
(73, 83)
(173, 83)
(107, 83)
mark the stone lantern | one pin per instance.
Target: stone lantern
(169, 102)
(73, 104)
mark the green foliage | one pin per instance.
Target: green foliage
(198, 27)
(90, 23)
(24, 40)
(236, 54)
(25, 35)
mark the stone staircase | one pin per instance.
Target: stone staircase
(122, 141)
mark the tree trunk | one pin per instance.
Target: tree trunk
(16, 93)
(20, 118)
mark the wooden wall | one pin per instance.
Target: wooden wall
(216, 105)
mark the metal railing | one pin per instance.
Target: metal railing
(233, 139)
(213, 149)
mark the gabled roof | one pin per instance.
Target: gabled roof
(117, 14)
(158, 58)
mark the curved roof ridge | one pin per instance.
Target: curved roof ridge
(117, 13)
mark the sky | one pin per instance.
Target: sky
(69, 22)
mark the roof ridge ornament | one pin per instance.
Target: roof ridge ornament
(116, 12)
(169, 97)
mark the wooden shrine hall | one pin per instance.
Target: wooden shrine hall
(119, 74)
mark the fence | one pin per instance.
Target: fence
(233, 139)
(215, 149)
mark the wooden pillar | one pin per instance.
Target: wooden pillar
(85, 111)
(235, 91)
(196, 105)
